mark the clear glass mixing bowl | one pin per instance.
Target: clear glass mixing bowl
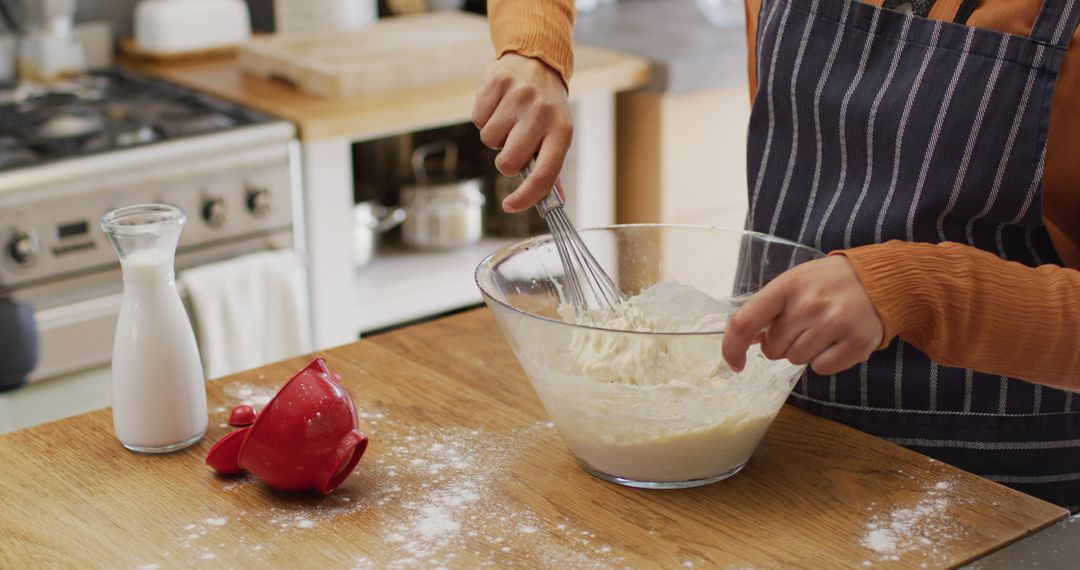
(646, 409)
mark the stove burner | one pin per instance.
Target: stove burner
(69, 125)
(134, 135)
(105, 111)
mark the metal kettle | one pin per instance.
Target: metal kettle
(442, 211)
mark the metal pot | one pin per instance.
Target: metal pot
(370, 220)
(441, 211)
(499, 223)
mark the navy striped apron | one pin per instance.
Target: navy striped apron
(870, 125)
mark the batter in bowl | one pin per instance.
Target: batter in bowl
(660, 409)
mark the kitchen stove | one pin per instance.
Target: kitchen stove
(105, 111)
(72, 152)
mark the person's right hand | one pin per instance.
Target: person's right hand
(522, 108)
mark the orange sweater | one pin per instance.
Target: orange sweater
(961, 306)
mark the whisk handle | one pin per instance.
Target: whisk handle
(551, 201)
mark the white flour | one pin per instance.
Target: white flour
(449, 487)
(924, 526)
(430, 497)
(249, 394)
(655, 407)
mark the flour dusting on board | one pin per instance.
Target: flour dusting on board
(249, 394)
(435, 497)
(450, 491)
(924, 526)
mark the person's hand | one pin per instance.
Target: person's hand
(521, 107)
(817, 313)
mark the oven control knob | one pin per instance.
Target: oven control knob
(258, 201)
(23, 248)
(213, 212)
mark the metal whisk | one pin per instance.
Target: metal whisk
(586, 283)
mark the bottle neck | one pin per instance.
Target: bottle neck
(168, 278)
(148, 267)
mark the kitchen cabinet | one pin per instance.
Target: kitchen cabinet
(681, 139)
(341, 297)
(444, 485)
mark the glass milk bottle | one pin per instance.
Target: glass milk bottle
(158, 389)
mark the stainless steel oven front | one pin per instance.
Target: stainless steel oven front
(240, 191)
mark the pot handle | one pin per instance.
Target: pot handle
(424, 151)
(390, 221)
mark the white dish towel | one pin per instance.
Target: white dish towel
(249, 311)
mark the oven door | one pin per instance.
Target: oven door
(72, 376)
(80, 335)
(76, 337)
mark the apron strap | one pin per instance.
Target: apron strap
(955, 11)
(967, 7)
(1057, 22)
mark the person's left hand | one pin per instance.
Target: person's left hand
(817, 313)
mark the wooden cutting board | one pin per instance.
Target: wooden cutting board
(464, 471)
(391, 55)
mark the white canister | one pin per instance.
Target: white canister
(313, 16)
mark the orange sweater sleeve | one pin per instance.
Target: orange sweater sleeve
(540, 29)
(968, 308)
(753, 8)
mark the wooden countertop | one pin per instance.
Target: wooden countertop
(464, 471)
(359, 118)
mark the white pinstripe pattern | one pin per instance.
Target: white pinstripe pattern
(1033, 479)
(817, 121)
(939, 123)
(1060, 31)
(903, 129)
(1036, 183)
(1003, 394)
(986, 445)
(1068, 402)
(933, 385)
(770, 96)
(763, 23)
(805, 384)
(1006, 158)
(899, 380)
(795, 124)
(875, 107)
(924, 188)
(843, 125)
(969, 386)
(864, 386)
(972, 137)
(873, 409)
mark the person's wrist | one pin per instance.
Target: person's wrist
(538, 65)
(894, 295)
